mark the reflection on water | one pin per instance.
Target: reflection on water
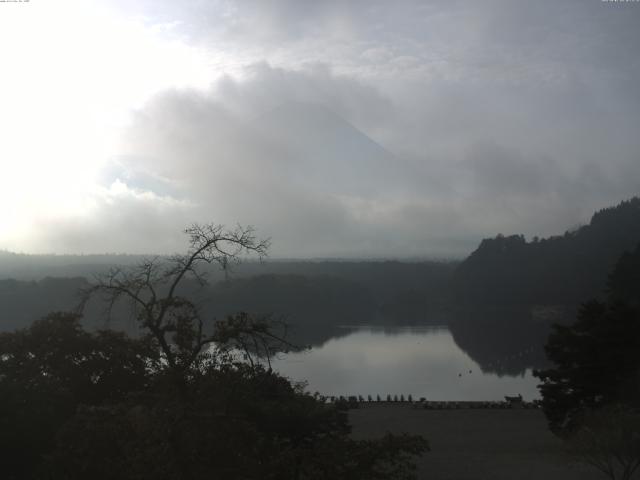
(506, 341)
(422, 361)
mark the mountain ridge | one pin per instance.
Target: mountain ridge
(325, 147)
(561, 269)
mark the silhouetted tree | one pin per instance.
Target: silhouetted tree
(597, 359)
(208, 413)
(52, 367)
(609, 440)
(153, 291)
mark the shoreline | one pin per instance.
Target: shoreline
(357, 401)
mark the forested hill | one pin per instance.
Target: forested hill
(560, 270)
(308, 294)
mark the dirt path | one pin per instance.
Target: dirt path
(471, 444)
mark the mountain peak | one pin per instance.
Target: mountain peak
(330, 152)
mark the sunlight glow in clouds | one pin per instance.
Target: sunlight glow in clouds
(70, 74)
(370, 128)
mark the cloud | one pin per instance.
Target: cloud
(371, 128)
(241, 153)
(119, 219)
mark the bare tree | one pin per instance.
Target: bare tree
(152, 289)
(609, 441)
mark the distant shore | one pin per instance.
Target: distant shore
(475, 444)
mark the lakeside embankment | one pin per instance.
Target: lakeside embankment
(475, 444)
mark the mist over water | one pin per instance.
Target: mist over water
(421, 361)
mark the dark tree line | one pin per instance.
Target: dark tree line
(310, 295)
(509, 292)
(186, 399)
(566, 269)
(597, 358)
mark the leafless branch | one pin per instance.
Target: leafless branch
(151, 290)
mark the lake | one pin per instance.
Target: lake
(421, 361)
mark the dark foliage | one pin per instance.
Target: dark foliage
(567, 269)
(509, 292)
(313, 297)
(48, 370)
(236, 422)
(597, 359)
(624, 282)
(187, 400)
(609, 440)
(77, 405)
(23, 302)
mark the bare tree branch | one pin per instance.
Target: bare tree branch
(151, 291)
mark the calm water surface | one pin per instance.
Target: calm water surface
(422, 361)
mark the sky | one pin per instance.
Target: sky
(349, 129)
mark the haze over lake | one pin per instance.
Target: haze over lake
(421, 361)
